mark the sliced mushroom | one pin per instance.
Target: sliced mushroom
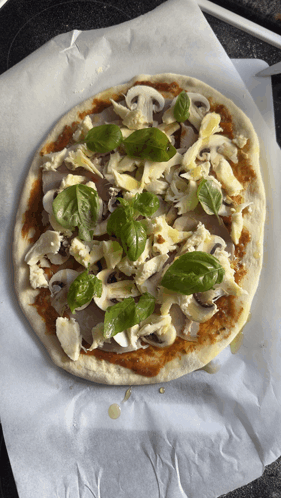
(122, 339)
(148, 100)
(116, 290)
(193, 310)
(199, 106)
(62, 255)
(59, 287)
(48, 200)
(188, 136)
(157, 330)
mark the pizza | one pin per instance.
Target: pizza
(139, 234)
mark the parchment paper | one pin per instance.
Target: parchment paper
(207, 434)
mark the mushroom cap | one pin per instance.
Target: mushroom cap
(149, 93)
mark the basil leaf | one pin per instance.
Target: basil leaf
(127, 313)
(146, 203)
(209, 196)
(181, 109)
(77, 206)
(149, 143)
(119, 317)
(82, 290)
(117, 220)
(145, 306)
(133, 238)
(104, 138)
(192, 272)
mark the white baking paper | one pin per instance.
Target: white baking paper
(207, 434)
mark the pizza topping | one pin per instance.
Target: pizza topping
(47, 244)
(210, 196)
(158, 331)
(181, 107)
(159, 184)
(68, 333)
(79, 158)
(127, 313)
(77, 206)
(86, 253)
(82, 290)
(237, 222)
(37, 277)
(145, 100)
(83, 128)
(59, 286)
(240, 141)
(103, 138)
(193, 272)
(53, 160)
(114, 290)
(149, 143)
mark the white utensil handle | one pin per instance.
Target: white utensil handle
(240, 22)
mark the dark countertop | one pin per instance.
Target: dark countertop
(25, 25)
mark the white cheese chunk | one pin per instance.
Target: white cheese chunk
(237, 222)
(70, 180)
(135, 120)
(78, 158)
(53, 160)
(228, 284)
(240, 141)
(210, 124)
(83, 128)
(98, 337)
(37, 277)
(86, 253)
(197, 239)
(68, 333)
(48, 243)
(147, 269)
(226, 176)
(165, 238)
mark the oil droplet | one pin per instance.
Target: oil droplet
(237, 342)
(212, 367)
(162, 390)
(114, 411)
(127, 394)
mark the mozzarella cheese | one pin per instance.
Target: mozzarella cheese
(48, 243)
(37, 277)
(68, 333)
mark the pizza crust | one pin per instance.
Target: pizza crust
(101, 371)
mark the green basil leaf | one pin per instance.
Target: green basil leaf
(149, 143)
(82, 290)
(127, 313)
(209, 196)
(104, 138)
(117, 220)
(192, 272)
(77, 206)
(145, 306)
(181, 109)
(133, 238)
(146, 203)
(119, 317)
